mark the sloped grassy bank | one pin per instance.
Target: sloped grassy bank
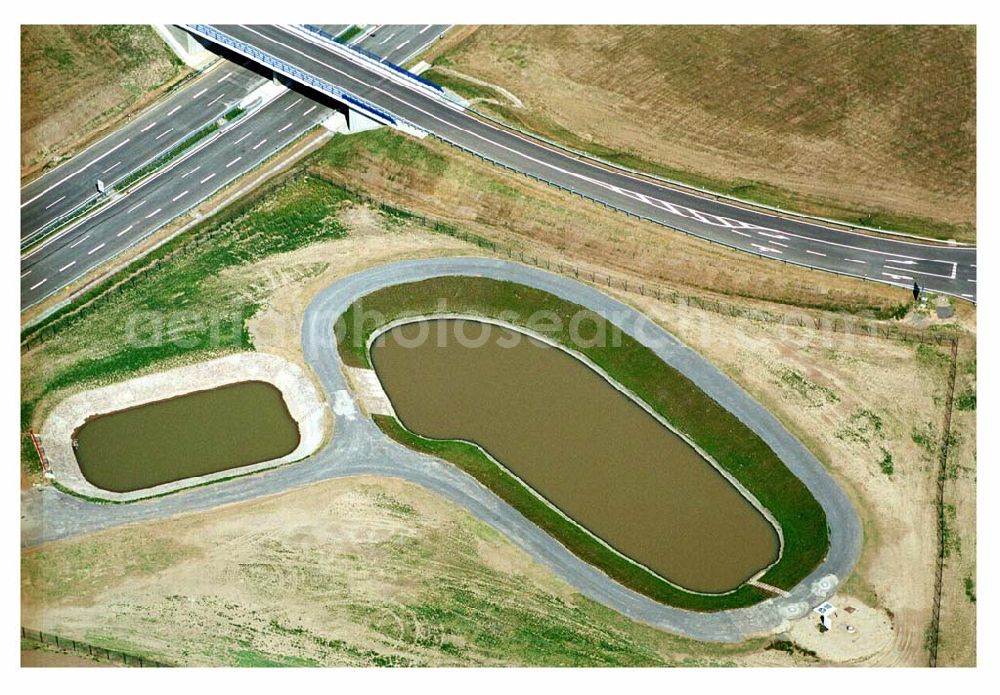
(731, 443)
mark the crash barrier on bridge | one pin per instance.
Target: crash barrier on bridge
(627, 213)
(92, 650)
(372, 56)
(826, 321)
(290, 71)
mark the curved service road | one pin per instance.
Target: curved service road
(360, 448)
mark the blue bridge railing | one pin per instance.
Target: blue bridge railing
(290, 70)
(373, 56)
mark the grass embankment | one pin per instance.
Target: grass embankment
(79, 80)
(868, 125)
(731, 443)
(172, 305)
(436, 180)
(349, 34)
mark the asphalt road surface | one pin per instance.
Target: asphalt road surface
(113, 228)
(153, 131)
(938, 268)
(358, 447)
(400, 42)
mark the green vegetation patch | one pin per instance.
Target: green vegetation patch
(349, 33)
(720, 433)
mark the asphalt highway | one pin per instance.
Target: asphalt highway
(153, 131)
(939, 268)
(358, 447)
(132, 217)
(400, 42)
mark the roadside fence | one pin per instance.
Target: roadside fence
(91, 650)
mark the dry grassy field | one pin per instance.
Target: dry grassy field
(78, 81)
(864, 124)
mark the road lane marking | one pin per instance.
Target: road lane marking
(37, 285)
(402, 44)
(386, 39)
(855, 260)
(25, 274)
(163, 133)
(741, 233)
(207, 177)
(68, 265)
(293, 103)
(259, 144)
(153, 213)
(310, 110)
(243, 138)
(285, 127)
(175, 199)
(79, 241)
(184, 176)
(968, 296)
(148, 127)
(233, 162)
(816, 253)
(425, 28)
(897, 277)
(96, 248)
(216, 99)
(111, 167)
(767, 249)
(970, 280)
(78, 171)
(136, 207)
(224, 77)
(174, 110)
(54, 202)
(124, 230)
(199, 93)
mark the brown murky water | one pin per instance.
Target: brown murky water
(579, 442)
(194, 434)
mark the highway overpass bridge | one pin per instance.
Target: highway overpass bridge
(390, 95)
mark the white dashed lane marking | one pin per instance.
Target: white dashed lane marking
(224, 77)
(233, 162)
(79, 241)
(284, 127)
(54, 202)
(125, 230)
(310, 110)
(148, 127)
(816, 253)
(174, 110)
(96, 248)
(855, 260)
(111, 167)
(210, 176)
(67, 266)
(293, 104)
(199, 93)
(153, 213)
(259, 144)
(216, 99)
(25, 274)
(184, 176)
(163, 133)
(243, 138)
(178, 197)
(37, 284)
(136, 207)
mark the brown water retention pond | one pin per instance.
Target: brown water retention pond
(578, 441)
(190, 435)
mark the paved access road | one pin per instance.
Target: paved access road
(153, 131)
(360, 448)
(939, 268)
(238, 148)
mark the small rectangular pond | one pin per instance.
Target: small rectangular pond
(191, 435)
(585, 446)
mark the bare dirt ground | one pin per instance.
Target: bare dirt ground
(77, 82)
(35, 655)
(839, 121)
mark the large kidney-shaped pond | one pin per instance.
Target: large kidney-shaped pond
(585, 446)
